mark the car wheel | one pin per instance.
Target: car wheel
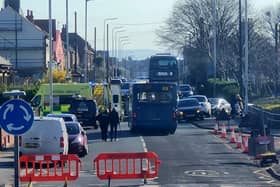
(84, 152)
(172, 131)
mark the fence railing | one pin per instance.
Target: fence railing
(267, 118)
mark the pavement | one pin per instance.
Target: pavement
(6, 165)
(274, 170)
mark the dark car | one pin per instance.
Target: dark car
(189, 109)
(217, 104)
(77, 139)
(185, 90)
(85, 111)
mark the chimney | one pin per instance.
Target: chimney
(30, 15)
(15, 4)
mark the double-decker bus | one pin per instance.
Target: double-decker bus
(163, 68)
(152, 106)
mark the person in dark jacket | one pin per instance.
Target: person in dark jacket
(103, 118)
(114, 121)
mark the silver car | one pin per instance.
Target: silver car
(206, 106)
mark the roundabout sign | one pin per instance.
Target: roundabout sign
(16, 117)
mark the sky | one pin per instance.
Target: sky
(140, 18)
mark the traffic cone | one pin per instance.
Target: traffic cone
(233, 137)
(246, 144)
(239, 141)
(216, 129)
(65, 183)
(224, 131)
(30, 183)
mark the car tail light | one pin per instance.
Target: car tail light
(61, 142)
(174, 115)
(134, 115)
(20, 140)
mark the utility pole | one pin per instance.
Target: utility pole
(246, 57)
(107, 56)
(86, 47)
(51, 56)
(240, 50)
(67, 41)
(76, 46)
(94, 62)
(214, 45)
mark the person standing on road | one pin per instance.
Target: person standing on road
(103, 118)
(114, 122)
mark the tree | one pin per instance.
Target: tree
(59, 76)
(190, 27)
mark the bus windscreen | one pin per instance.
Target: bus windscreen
(154, 97)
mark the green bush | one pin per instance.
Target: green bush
(224, 88)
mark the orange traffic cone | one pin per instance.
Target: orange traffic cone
(224, 131)
(65, 183)
(233, 137)
(239, 141)
(246, 144)
(216, 129)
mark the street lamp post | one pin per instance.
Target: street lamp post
(121, 39)
(246, 57)
(116, 41)
(125, 63)
(113, 31)
(119, 28)
(51, 57)
(86, 47)
(67, 41)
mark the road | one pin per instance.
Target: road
(191, 157)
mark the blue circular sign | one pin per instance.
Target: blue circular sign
(16, 117)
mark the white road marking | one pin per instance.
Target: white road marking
(144, 144)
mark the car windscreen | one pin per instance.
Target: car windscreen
(185, 88)
(187, 103)
(200, 99)
(72, 128)
(214, 101)
(125, 86)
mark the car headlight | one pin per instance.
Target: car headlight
(197, 111)
(181, 113)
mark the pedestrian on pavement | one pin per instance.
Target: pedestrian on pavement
(114, 122)
(103, 118)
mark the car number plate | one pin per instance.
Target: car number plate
(31, 145)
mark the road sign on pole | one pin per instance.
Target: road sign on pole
(16, 117)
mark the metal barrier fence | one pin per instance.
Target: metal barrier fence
(141, 165)
(49, 167)
(268, 118)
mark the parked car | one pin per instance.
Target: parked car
(77, 139)
(47, 136)
(66, 116)
(185, 90)
(206, 106)
(188, 109)
(85, 110)
(217, 104)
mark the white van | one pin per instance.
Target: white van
(47, 135)
(117, 99)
